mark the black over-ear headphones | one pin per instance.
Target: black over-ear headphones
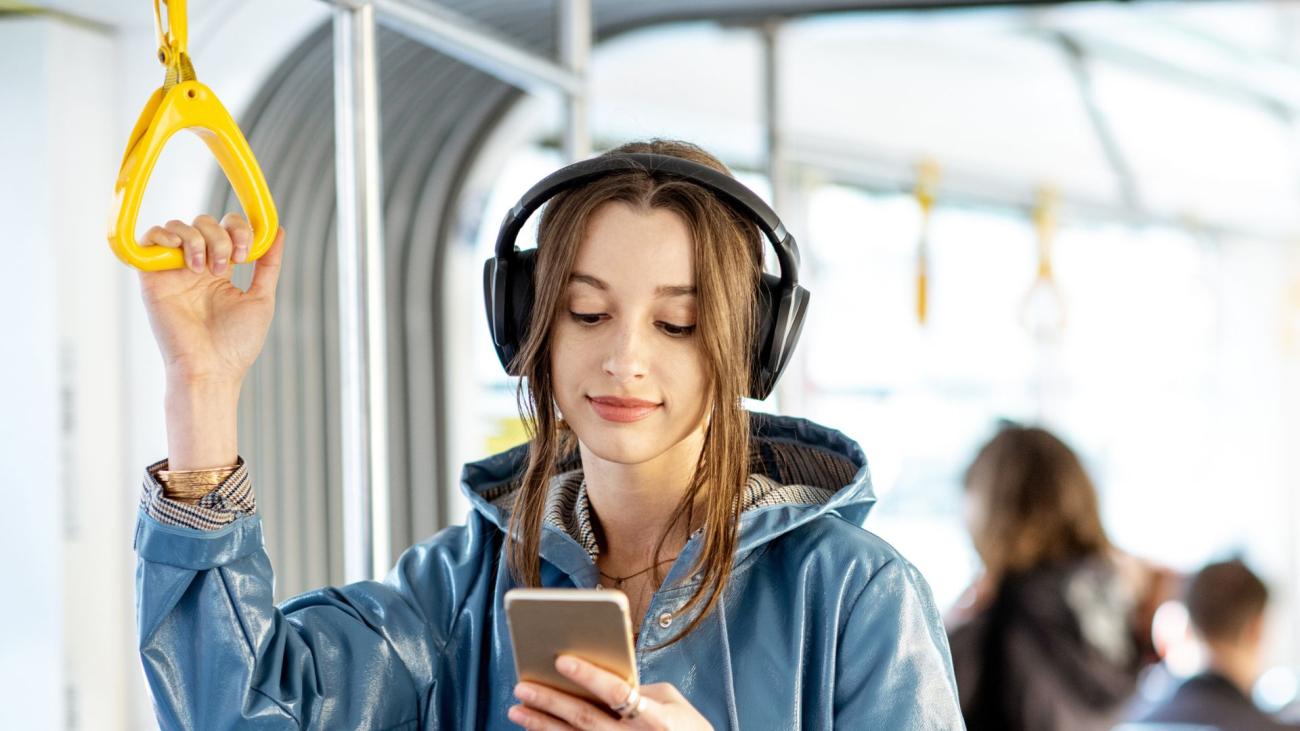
(508, 276)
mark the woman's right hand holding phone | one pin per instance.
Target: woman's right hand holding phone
(208, 330)
(654, 707)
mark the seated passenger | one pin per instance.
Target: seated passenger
(1226, 603)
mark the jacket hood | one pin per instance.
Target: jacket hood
(822, 470)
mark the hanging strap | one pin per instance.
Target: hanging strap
(1045, 224)
(173, 41)
(927, 181)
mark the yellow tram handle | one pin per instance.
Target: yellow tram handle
(928, 173)
(182, 102)
(1045, 224)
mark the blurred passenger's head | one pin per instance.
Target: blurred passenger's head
(1029, 502)
(1225, 602)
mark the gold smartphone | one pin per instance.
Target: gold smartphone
(592, 624)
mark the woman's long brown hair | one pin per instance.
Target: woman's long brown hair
(727, 262)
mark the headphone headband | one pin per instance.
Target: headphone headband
(734, 193)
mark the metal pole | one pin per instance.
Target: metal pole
(788, 200)
(772, 133)
(575, 51)
(362, 325)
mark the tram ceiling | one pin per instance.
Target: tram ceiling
(439, 109)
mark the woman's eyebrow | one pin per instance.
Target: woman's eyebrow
(677, 291)
(587, 279)
(663, 290)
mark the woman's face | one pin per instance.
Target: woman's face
(628, 374)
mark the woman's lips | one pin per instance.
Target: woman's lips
(622, 410)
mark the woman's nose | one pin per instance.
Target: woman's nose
(626, 359)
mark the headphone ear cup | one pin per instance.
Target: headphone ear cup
(519, 308)
(494, 271)
(798, 308)
(769, 299)
(780, 320)
(508, 298)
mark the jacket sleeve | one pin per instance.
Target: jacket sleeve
(229, 501)
(218, 653)
(893, 666)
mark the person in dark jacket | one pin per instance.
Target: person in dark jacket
(1054, 633)
(1225, 603)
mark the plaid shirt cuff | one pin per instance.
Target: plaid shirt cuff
(229, 501)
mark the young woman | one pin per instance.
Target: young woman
(760, 601)
(1055, 631)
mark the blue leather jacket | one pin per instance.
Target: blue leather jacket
(823, 624)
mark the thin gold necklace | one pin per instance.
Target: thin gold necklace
(618, 580)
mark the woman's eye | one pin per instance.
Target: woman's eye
(676, 331)
(587, 318)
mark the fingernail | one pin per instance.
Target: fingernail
(524, 693)
(221, 266)
(566, 664)
(196, 264)
(240, 254)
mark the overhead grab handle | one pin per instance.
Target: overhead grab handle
(184, 103)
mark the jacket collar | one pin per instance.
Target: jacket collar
(816, 470)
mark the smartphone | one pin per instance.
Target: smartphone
(592, 624)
